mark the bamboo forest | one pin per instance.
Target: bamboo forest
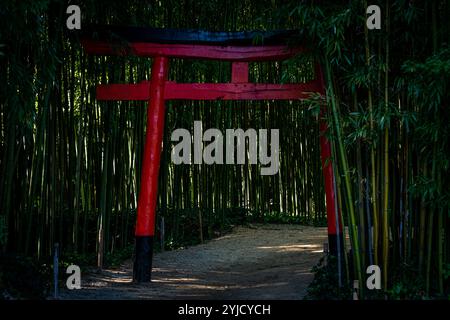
(74, 165)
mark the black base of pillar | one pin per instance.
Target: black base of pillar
(333, 245)
(142, 268)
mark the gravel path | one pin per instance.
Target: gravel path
(255, 262)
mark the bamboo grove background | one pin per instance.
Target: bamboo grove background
(70, 166)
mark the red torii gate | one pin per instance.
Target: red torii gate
(237, 47)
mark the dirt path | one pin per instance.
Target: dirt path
(256, 262)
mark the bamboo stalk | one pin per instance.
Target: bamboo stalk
(386, 160)
(346, 174)
(372, 151)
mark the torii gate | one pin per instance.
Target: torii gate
(236, 47)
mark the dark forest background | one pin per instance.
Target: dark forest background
(70, 165)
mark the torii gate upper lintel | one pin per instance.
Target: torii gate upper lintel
(236, 47)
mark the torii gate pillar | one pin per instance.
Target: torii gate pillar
(148, 195)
